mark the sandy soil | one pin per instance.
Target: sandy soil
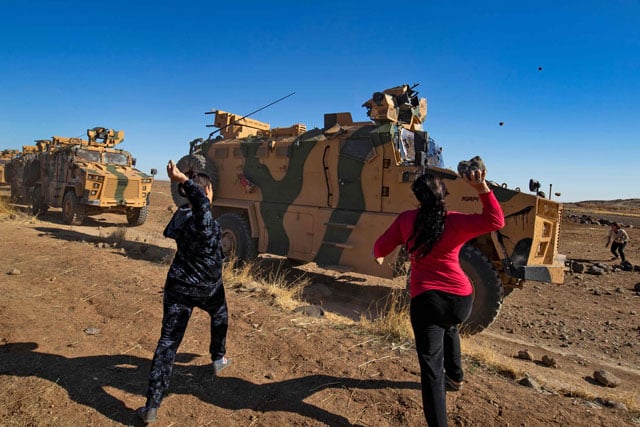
(80, 317)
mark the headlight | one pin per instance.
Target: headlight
(146, 181)
(92, 177)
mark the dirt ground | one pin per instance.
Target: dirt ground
(80, 317)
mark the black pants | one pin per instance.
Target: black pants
(434, 318)
(177, 311)
(618, 248)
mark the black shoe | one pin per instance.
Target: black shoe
(147, 415)
(451, 385)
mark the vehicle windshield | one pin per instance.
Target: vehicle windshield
(90, 156)
(116, 159)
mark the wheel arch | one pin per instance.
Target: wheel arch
(245, 208)
(236, 233)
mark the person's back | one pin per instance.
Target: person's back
(441, 294)
(194, 280)
(197, 265)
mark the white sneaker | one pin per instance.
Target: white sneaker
(220, 364)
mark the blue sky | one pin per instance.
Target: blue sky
(153, 68)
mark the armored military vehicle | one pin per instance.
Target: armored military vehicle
(5, 172)
(89, 177)
(325, 195)
(22, 173)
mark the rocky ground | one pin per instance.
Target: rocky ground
(80, 312)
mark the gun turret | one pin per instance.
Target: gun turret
(104, 136)
(398, 104)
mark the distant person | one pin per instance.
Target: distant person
(619, 238)
(441, 293)
(194, 280)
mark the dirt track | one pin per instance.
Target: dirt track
(79, 323)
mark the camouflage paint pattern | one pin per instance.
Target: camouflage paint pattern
(98, 185)
(327, 194)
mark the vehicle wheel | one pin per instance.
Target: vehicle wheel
(487, 290)
(137, 216)
(38, 206)
(197, 163)
(236, 240)
(73, 213)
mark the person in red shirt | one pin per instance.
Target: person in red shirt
(441, 293)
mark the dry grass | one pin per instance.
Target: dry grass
(393, 322)
(6, 209)
(9, 212)
(486, 356)
(284, 292)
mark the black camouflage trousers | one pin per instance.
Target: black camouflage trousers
(177, 311)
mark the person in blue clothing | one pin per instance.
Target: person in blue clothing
(194, 280)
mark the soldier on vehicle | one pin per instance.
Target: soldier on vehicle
(441, 293)
(194, 280)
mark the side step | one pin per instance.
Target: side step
(337, 245)
(340, 225)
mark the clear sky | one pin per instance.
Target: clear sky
(153, 68)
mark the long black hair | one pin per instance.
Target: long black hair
(429, 224)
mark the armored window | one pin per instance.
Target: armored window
(90, 156)
(116, 159)
(360, 148)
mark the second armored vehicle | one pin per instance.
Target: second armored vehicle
(88, 177)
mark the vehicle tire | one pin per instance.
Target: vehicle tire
(236, 240)
(197, 163)
(487, 290)
(38, 205)
(73, 213)
(137, 216)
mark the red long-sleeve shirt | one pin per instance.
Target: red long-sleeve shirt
(440, 269)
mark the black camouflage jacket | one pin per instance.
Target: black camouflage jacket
(196, 269)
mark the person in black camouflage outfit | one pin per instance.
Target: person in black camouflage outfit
(194, 280)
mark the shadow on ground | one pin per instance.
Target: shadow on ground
(85, 379)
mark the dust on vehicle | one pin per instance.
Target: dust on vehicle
(87, 177)
(325, 195)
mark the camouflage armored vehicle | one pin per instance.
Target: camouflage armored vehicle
(5, 172)
(89, 177)
(325, 195)
(21, 172)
